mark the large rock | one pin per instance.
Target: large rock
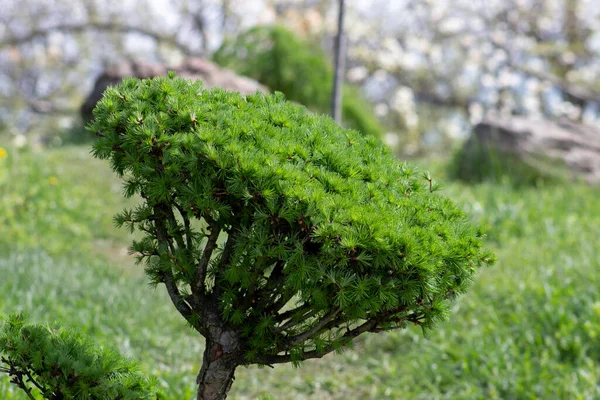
(193, 68)
(550, 148)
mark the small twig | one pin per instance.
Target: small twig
(294, 321)
(226, 255)
(349, 335)
(30, 379)
(315, 329)
(202, 266)
(186, 223)
(17, 377)
(22, 385)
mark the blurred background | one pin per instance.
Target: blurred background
(500, 99)
(429, 69)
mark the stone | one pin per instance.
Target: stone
(192, 68)
(549, 147)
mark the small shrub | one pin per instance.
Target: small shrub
(279, 236)
(279, 59)
(476, 162)
(62, 364)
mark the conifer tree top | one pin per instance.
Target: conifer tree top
(350, 234)
(58, 363)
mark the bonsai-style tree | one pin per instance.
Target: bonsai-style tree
(278, 235)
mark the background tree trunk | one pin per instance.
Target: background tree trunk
(340, 66)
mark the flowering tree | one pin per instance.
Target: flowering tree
(433, 68)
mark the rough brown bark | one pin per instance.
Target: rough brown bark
(221, 358)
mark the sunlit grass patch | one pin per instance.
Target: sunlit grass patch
(57, 200)
(528, 329)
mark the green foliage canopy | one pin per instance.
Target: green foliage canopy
(63, 364)
(307, 235)
(279, 59)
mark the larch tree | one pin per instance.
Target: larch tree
(278, 235)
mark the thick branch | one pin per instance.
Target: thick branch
(349, 335)
(314, 330)
(173, 222)
(167, 276)
(227, 250)
(180, 304)
(305, 309)
(105, 26)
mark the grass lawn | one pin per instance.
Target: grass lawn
(528, 329)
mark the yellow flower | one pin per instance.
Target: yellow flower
(53, 180)
(3, 153)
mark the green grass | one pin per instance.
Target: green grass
(528, 329)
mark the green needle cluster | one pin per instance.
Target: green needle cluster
(62, 364)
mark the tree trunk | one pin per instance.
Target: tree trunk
(340, 67)
(219, 362)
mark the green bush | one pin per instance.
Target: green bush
(280, 60)
(476, 162)
(62, 364)
(279, 235)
